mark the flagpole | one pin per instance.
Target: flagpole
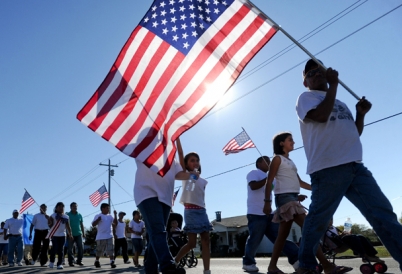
(300, 46)
(255, 146)
(110, 200)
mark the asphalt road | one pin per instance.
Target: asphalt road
(218, 266)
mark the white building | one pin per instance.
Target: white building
(227, 228)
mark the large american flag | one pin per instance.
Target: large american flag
(99, 195)
(176, 65)
(238, 143)
(27, 201)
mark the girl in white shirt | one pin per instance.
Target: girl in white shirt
(287, 200)
(195, 215)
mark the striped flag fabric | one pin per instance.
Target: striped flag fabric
(99, 195)
(238, 143)
(27, 201)
(176, 65)
(175, 195)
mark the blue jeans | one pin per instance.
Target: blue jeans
(155, 215)
(356, 183)
(78, 241)
(15, 242)
(258, 226)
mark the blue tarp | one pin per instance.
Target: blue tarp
(25, 229)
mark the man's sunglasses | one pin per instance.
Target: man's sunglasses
(313, 72)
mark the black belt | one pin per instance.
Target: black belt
(17, 235)
(41, 229)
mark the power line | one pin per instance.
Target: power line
(292, 46)
(286, 71)
(122, 188)
(391, 116)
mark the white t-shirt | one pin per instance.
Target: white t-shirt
(61, 230)
(137, 227)
(255, 198)
(148, 184)
(14, 226)
(121, 230)
(104, 226)
(195, 197)
(40, 222)
(2, 241)
(286, 177)
(332, 143)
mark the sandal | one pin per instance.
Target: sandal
(339, 270)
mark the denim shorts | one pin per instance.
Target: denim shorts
(137, 244)
(196, 221)
(284, 198)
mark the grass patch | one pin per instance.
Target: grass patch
(382, 252)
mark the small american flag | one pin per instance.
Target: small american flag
(27, 201)
(176, 65)
(175, 195)
(238, 143)
(99, 195)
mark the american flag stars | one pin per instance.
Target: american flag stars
(181, 22)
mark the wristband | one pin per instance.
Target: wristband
(267, 200)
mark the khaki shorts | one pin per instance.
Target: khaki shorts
(106, 246)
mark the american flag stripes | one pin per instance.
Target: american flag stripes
(99, 195)
(238, 143)
(177, 63)
(27, 201)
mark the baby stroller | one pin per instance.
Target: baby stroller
(177, 239)
(332, 243)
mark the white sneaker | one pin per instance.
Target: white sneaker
(51, 265)
(19, 264)
(60, 267)
(32, 262)
(296, 265)
(250, 268)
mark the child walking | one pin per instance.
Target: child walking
(287, 201)
(104, 237)
(195, 215)
(137, 229)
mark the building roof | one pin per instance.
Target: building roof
(237, 221)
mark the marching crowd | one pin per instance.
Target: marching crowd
(331, 138)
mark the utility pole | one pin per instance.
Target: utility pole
(111, 173)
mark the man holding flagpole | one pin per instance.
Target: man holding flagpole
(331, 138)
(40, 243)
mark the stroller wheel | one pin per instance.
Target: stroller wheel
(190, 260)
(182, 262)
(380, 267)
(367, 269)
(195, 262)
(319, 268)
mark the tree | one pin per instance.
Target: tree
(241, 239)
(400, 219)
(213, 239)
(90, 236)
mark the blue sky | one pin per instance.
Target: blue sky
(54, 55)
